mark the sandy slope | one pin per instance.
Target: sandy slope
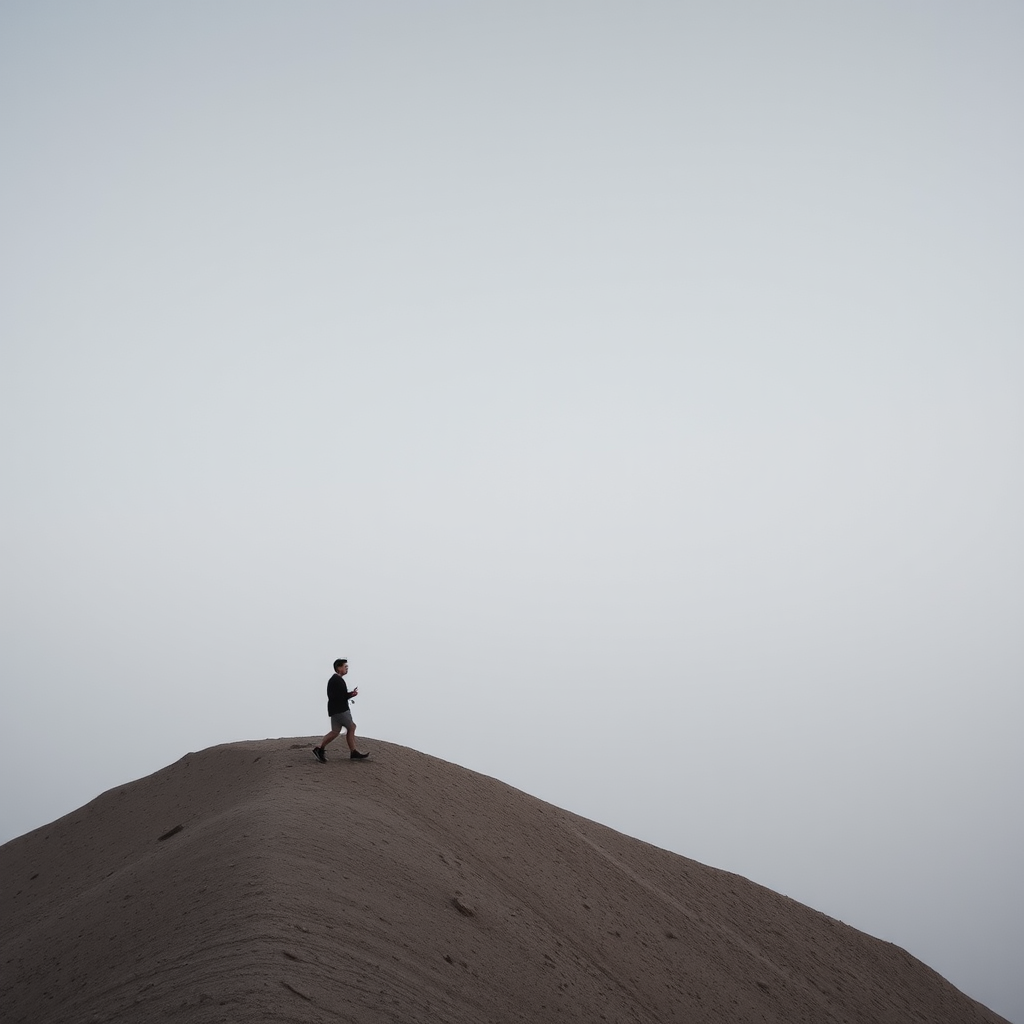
(407, 889)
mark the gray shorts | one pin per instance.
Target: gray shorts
(342, 721)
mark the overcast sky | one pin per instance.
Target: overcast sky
(632, 392)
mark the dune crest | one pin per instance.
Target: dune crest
(248, 882)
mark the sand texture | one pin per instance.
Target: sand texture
(249, 883)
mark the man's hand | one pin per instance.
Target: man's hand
(353, 693)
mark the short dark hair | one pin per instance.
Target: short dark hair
(340, 661)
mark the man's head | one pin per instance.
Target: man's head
(341, 666)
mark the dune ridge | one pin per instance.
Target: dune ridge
(407, 888)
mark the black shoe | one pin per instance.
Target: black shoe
(356, 756)
(318, 753)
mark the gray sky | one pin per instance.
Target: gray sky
(631, 391)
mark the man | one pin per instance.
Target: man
(338, 696)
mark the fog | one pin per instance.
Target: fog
(631, 392)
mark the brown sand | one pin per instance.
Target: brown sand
(407, 889)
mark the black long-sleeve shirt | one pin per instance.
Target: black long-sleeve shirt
(337, 695)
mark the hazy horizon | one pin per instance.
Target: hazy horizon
(633, 394)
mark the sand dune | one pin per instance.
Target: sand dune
(408, 889)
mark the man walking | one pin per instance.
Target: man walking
(338, 696)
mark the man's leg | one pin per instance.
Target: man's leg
(350, 736)
(318, 752)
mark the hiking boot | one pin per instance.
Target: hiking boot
(318, 753)
(356, 756)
